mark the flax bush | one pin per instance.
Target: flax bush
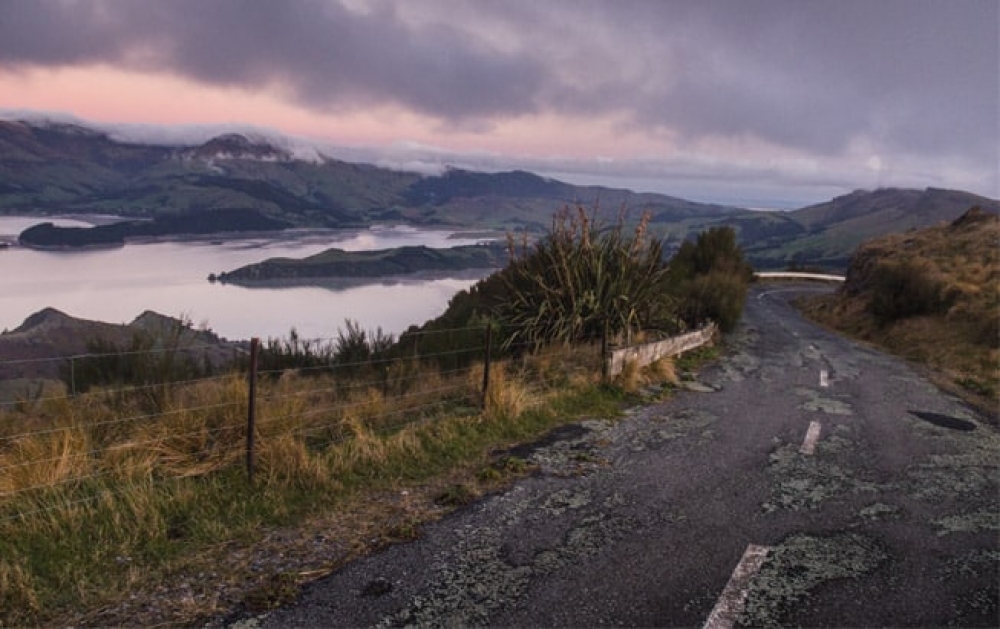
(582, 278)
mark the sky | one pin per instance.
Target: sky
(763, 103)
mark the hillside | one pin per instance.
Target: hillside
(68, 169)
(400, 261)
(826, 234)
(930, 295)
(35, 349)
(48, 169)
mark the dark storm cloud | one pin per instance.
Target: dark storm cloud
(323, 55)
(914, 76)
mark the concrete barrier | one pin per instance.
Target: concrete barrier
(648, 353)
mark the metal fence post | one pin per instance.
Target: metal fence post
(252, 406)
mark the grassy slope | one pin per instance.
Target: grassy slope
(961, 343)
(170, 532)
(829, 232)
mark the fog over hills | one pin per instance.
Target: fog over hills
(59, 168)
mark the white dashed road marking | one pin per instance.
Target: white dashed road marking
(812, 436)
(734, 595)
(824, 378)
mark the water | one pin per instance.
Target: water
(116, 285)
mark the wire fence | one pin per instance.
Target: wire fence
(92, 420)
(105, 419)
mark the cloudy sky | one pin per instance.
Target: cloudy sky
(759, 102)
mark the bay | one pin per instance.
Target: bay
(116, 285)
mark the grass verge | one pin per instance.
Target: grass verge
(105, 521)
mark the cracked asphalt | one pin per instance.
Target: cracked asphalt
(892, 521)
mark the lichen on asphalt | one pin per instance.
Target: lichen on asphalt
(982, 520)
(968, 465)
(803, 482)
(879, 511)
(983, 567)
(816, 403)
(476, 578)
(797, 566)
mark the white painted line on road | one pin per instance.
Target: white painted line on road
(812, 436)
(733, 597)
(824, 378)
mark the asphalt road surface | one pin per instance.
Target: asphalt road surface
(804, 480)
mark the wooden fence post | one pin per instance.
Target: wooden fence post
(252, 406)
(486, 364)
(604, 352)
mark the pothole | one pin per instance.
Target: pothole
(945, 421)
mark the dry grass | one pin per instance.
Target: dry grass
(99, 498)
(962, 342)
(633, 378)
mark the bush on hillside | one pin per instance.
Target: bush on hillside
(902, 289)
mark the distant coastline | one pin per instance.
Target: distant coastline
(339, 268)
(51, 237)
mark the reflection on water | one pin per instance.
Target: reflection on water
(116, 285)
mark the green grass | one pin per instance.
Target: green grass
(162, 509)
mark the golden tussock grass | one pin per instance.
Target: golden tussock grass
(663, 370)
(506, 397)
(44, 460)
(630, 377)
(108, 478)
(961, 340)
(633, 377)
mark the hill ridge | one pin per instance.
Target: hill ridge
(70, 169)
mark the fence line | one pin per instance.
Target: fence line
(262, 401)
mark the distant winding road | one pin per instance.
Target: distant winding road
(804, 480)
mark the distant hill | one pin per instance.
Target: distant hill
(830, 232)
(49, 236)
(37, 349)
(69, 169)
(400, 261)
(50, 169)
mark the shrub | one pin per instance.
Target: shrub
(905, 289)
(149, 363)
(709, 277)
(581, 280)
(717, 297)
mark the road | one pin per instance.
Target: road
(814, 481)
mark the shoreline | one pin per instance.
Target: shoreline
(345, 282)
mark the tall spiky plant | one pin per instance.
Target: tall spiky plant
(582, 279)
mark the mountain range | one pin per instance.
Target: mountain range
(67, 169)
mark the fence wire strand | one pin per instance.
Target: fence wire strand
(414, 407)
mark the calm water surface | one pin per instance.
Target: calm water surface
(116, 285)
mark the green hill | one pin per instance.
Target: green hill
(68, 169)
